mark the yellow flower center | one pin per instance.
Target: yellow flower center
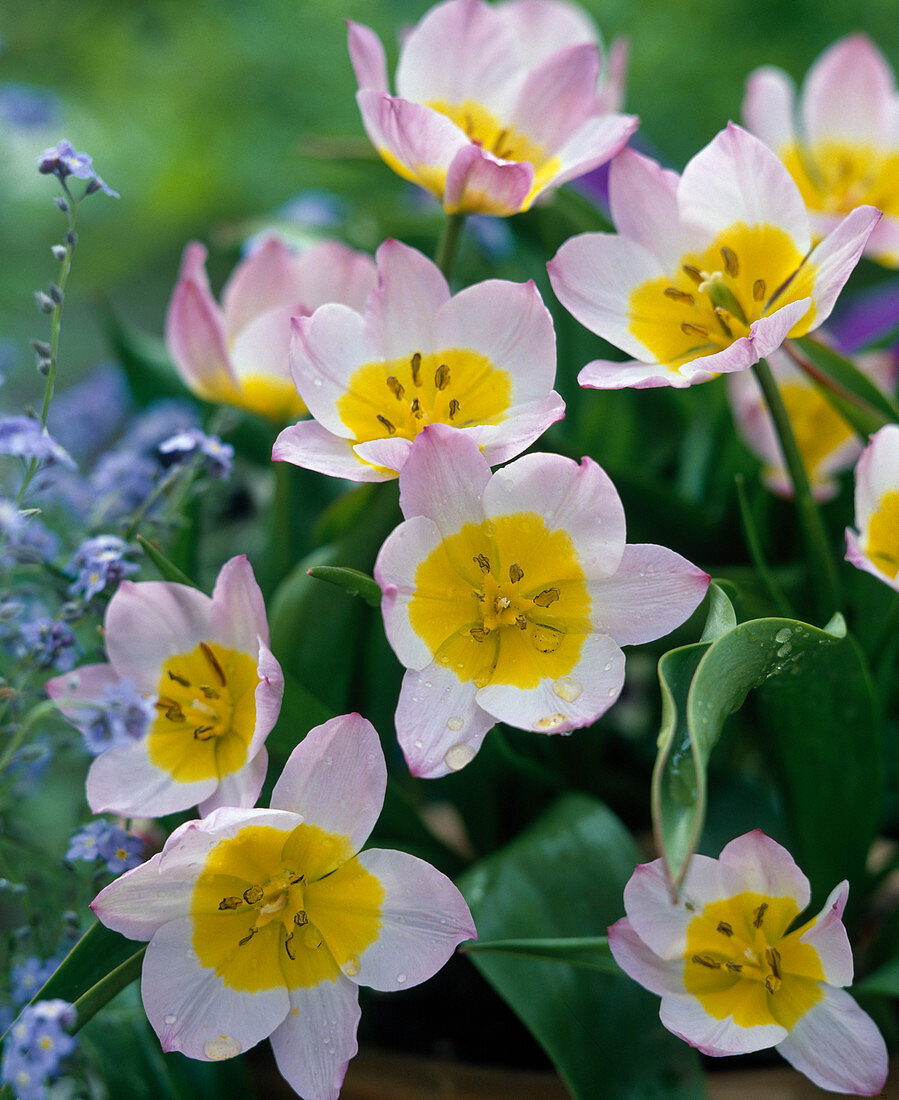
(714, 296)
(399, 397)
(207, 713)
(834, 177)
(739, 962)
(504, 602)
(267, 395)
(275, 908)
(818, 427)
(883, 534)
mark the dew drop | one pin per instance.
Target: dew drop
(550, 721)
(400, 978)
(220, 1048)
(316, 381)
(311, 936)
(351, 967)
(169, 1019)
(455, 724)
(568, 688)
(783, 635)
(785, 650)
(607, 667)
(612, 692)
(419, 743)
(458, 756)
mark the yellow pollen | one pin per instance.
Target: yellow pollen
(442, 377)
(396, 387)
(758, 290)
(731, 263)
(415, 366)
(387, 424)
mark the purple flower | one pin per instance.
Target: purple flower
(99, 562)
(30, 976)
(118, 718)
(185, 445)
(48, 643)
(85, 843)
(102, 840)
(87, 416)
(121, 482)
(24, 437)
(24, 538)
(62, 161)
(27, 108)
(35, 1047)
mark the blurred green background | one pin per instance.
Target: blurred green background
(204, 113)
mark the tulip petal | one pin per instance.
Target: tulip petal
(326, 349)
(606, 374)
(192, 1010)
(653, 591)
(317, 1039)
(123, 780)
(836, 256)
(769, 107)
(240, 789)
(848, 95)
(443, 479)
(838, 1047)
(387, 454)
(342, 755)
(877, 473)
(194, 329)
(767, 868)
(423, 918)
(367, 56)
(313, 447)
(139, 902)
(593, 143)
(331, 272)
(642, 964)
(261, 348)
(557, 95)
(525, 424)
(544, 26)
(72, 690)
(400, 315)
(827, 935)
(688, 1020)
(398, 559)
(237, 617)
(643, 205)
(264, 281)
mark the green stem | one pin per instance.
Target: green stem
(821, 564)
(89, 1004)
(753, 544)
(449, 242)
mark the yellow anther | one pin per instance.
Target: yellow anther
(179, 679)
(478, 633)
(772, 983)
(731, 263)
(483, 561)
(230, 903)
(758, 290)
(390, 427)
(396, 387)
(415, 363)
(415, 408)
(442, 377)
(204, 733)
(725, 319)
(759, 915)
(678, 295)
(213, 662)
(174, 713)
(773, 957)
(734, 968)
(501, 604)
(454, 407)
(547, 638)
(300, 918)
(693, 272)
(707, 961)
(693, 330)
(248, 937)
(209, 692)
(546, 597)
(521, 622)
(724, 928)
(288, 947)
(515, 573)
(253, 894)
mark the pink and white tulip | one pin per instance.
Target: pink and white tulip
(828, 444)
(217, 688)
(237, 353)
(709, 271)
(482, 361)
(842, 144)
(495, 105)
(874, 546)
(734, 979)
(264, 923)
(508, 597)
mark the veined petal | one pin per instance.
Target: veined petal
(883, 244)
(313, 447)
(330, 271)
(140, 901)
(194, 333)
(400, 312)
(577, 499)
(443, 479)
(86, 684)
(189, 845)
(368, 57)
(607, 374)
(766, 867)
(544, 26)
(557, 96)
(124, 780)
(267, 697)
(325, 350)
(769, 107)
(524, 425)
(653, 591)
(848, 95)
(263, 281)
(828, 937)
(643, 204)
(240, 788)
(398, 559)
(237, 617)
(568, 703)
(192, 1010)
(261, 348)
(478, 183)
(836, 256)
(423, 917)
(642, 964)
(837, 1045)
(148, 622)
(685, 1017)
(343, 755)
(439, 725)
(877, 473)
(599, 138)
(317, 1039)
(387, 454)
(737, 178)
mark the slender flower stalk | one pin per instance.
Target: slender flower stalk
(449, 243)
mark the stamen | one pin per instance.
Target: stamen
(395, 387)
(288, 947)
(390, 428)
(547, 639)
(515, 573)
(175, 713)
(454, 408)
(416, 409)
(546, 597)
(478, 633)
(253, 894)
(521, 622)
(501, 604)
(483, 561)
(300, 918)
(731, 263)
(500, 141)
(724, 320)
(248, 937)
(724, 928)
(678, 295)
(294, 879)
(758, 290)
(759, 915)
(214, 662)
(179, 679)
(773, 957)
(415, 363)
(442, 377)
(772, 983)
(707, 961)
(694, 273)
(204, 733)
(209, 692)
(230, 903)
(693, 330)
(734, 968)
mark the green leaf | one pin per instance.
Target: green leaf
(704, 683)
(351, 580)
(564, 877)
(885, 980)
(591, 952)
(96, 955)
(167, 569)
(149, 370)
(721, 616)
(857, 387)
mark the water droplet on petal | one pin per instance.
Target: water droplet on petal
(419, 743)
(316, 381)
(550, 721)
(607, 668)
(568, 688)
(455, 723)
(458, 756)
(169, 1019)
(351, 967)
(220, 1048)
(400, 978)
(311, 936)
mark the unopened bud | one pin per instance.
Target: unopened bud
(42, 348)
(92, 186)
(43, 366)
(44, 301)
(72, 237)
(55, 293)
(59, 252)
(71, 610)
(62, 204)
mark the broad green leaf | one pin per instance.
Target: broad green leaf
(94, 956)
(148, 368)
(564, 877)
(885, 980)
(704, 683)
(352, 581)
(857, 387)
(590, 952)
(721, 616)
(167, 569)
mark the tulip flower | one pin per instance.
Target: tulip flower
(508, 597)
(236, 353)
(874, 547)
(843, 149)
(495, 105)
(266, 922)
(205, 664)
(709, 271)
(732, 975)
(826, 441)
(482, 361)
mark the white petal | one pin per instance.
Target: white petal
(318, 1038)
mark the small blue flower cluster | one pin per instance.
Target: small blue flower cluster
(36, 1046)
(217, 457)
(97, 563)
(118, 718)
(29, 977)
(62, 161)
(103, 840)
